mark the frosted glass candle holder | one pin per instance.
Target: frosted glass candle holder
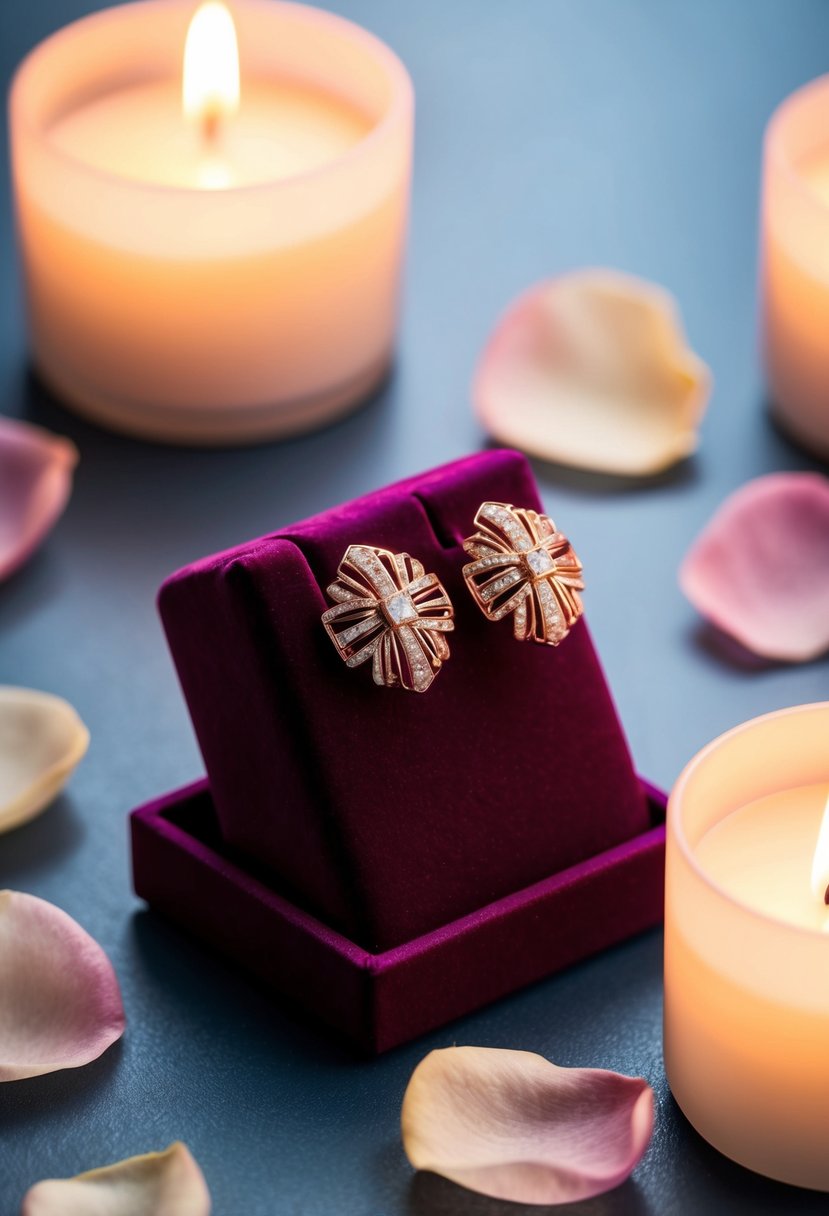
(795, 264)
(747, 946)
(198, 314)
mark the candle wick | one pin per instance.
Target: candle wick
(210, 124)
(826, 896)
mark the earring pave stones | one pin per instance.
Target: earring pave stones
(525, 567)
(390, 611)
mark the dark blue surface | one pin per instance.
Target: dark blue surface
(550, 135)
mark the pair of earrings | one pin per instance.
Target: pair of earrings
(390, 611)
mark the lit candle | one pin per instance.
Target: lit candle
(212, 254)
(764, 854)
(747, 944)
(795, 263)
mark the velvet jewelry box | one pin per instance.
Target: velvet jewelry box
(391, 860)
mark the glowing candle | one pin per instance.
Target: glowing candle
(747, 944)
(212, 211)
(795, 263)
(210, 76)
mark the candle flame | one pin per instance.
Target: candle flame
(210, 80)
(820, 864)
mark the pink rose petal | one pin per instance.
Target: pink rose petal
(156, 1184)
(592, 369)
(514, 1126)
(35, 483)
(60, 1004)
(760, 569)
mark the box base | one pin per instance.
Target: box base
(377, 1001)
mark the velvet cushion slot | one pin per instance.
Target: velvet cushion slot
(388, 814)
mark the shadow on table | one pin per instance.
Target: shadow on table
(716, 1184)
(717, 645)
(37, 582)
(34, 848)
(431, 1195)
(790, 450)
(714, 644)
(40, 1100)
(192, 977)
(590, 482)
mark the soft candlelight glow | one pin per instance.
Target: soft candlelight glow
(820, 863)
(210, 78)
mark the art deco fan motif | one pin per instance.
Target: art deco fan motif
(390, 611)
(524, 566)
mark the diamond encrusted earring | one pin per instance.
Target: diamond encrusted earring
(524, 566)
(390, 611)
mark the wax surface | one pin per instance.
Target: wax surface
(141, 133)
(762, 855)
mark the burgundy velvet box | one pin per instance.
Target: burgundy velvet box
(394, 859)
(377, 1001)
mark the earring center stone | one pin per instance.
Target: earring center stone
(539, 562)
(399, 608)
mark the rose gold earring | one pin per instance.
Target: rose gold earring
(525, 567)
(390, 611)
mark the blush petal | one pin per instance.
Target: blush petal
(42, 740)
(35, 483)
(592, 369)
(511, 1125)
(156, 1184)
(60, 1004)
(760, 568)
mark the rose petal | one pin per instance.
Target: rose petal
(592, 369)
(60, 1004)
(157, 1184)
(42, 740)
(514, 1126)
(760, 568)
(35, 484)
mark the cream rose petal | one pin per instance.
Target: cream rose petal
(42, 740)
(35, 483)
(156, 1184)
(60, 1004)
(511, 1125)
(592, 369)
(760, 568)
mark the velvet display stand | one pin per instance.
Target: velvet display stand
(386, 859)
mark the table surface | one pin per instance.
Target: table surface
(551, 134)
